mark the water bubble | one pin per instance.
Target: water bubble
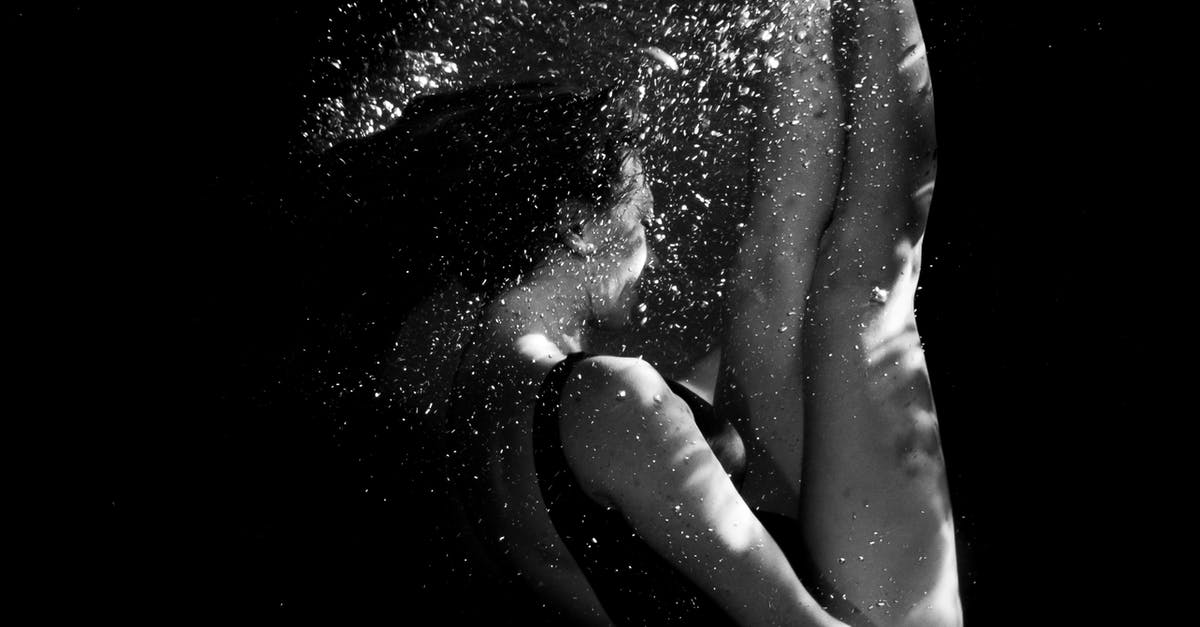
(660, 55)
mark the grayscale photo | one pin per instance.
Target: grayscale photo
(537, 312)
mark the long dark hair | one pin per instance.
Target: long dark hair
(462, 187)
(479, 173)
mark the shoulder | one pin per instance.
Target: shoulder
(619, 416)
(605, 380)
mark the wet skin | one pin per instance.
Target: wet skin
(590, 282)
(839, 413)
(632, 444)
(841, 430)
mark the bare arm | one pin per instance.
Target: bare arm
(646, 457)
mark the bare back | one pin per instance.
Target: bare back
(498, 381)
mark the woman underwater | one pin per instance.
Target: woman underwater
(614, 493)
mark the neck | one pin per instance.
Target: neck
(552, 301)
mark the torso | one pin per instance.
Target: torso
(494, 406)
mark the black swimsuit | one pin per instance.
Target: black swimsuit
(634, 583)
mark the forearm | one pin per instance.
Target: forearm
(701, 525)
(756, 583)
(657, 470)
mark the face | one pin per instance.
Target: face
(622, 253)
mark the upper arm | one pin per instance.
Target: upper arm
(607, 402)
(633, 443)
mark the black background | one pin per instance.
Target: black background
(142, 129)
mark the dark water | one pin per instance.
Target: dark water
(244, 480)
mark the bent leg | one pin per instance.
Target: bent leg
(875, 506)
(796, 163)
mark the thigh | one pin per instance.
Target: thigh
(875, 508)
(796, 163)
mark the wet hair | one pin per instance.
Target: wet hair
(484, 170)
